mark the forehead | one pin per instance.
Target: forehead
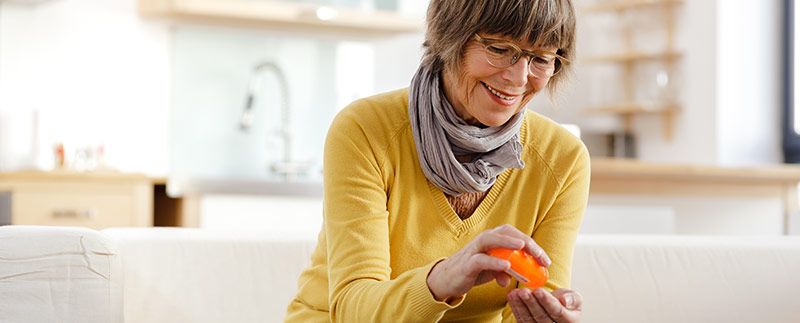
(522, 43)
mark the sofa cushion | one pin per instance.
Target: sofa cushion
(207, 275)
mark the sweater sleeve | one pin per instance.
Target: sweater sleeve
(558, 230)
(356, 223)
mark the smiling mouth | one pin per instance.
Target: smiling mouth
(498, 94)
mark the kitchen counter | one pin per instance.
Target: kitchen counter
(609, 176)
(612, 167)
(631, 177)
(98, 176)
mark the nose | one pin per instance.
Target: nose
(517, 73)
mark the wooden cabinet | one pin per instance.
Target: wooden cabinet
(277, 14)
(74, 199)
(631, 56)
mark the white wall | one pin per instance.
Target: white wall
(749, 81)
(97, 75)
(684, 215)
(694, 128)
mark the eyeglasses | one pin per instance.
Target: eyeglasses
(502, 54)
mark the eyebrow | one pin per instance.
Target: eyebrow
(518, 45)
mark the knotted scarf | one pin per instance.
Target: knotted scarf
(440, 135)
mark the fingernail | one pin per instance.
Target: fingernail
(539, 293)
(504, 263)
(526, 296)
(547, 262)
(569, 301)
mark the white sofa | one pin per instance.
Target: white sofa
(50, 274)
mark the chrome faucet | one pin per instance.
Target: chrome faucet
(288, 167)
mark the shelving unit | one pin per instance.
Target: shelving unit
(634, 56)
(630, 57)
(630, 4)
(281, 14)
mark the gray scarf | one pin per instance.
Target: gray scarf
(440, 135)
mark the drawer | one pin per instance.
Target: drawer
(91, 205)
(66, 209)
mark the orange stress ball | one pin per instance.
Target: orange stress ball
(523, 267)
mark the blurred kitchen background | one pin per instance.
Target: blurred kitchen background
(213, 113)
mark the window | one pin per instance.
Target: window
(791, 117)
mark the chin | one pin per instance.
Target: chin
(496, 120)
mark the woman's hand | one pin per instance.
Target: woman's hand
(472, 265)
(540, 306)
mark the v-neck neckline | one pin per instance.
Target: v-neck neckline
(456, 224)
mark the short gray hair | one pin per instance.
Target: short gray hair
(452, 23)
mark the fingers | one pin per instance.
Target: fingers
(526, 308)
(541, 312)
(530, 246)
(480, 262)
(554, 307)
(541, 306)
(569, 298)
(518, 307)
(502, 279)
(491, 239)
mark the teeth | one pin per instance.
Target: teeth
(498, 94)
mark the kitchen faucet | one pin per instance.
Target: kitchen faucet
(288, 167)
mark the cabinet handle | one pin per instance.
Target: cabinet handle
(90, 213)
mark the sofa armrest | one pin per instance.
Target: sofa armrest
(58, 274)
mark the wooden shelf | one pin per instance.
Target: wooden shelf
(281, 14)
(634, 56)
(629, 109)
(630, 56)
(633, 108)
(620, 5)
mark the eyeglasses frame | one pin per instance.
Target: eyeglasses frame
(531, 54)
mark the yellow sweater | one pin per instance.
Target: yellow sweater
(385, 225)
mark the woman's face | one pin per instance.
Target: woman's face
(484, 95)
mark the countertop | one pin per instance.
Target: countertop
(603, 169)
(58, 175)
(614, 167)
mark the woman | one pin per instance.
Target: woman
(420, 183)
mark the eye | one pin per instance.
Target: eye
(498, 49)
(542, 60)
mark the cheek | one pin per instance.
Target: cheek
(538, 84)
(535, 86)
(469, 87)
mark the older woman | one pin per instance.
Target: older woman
(421, 183)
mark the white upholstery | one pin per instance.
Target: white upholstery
(53, 274)
(688, 279)
(202, 275)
